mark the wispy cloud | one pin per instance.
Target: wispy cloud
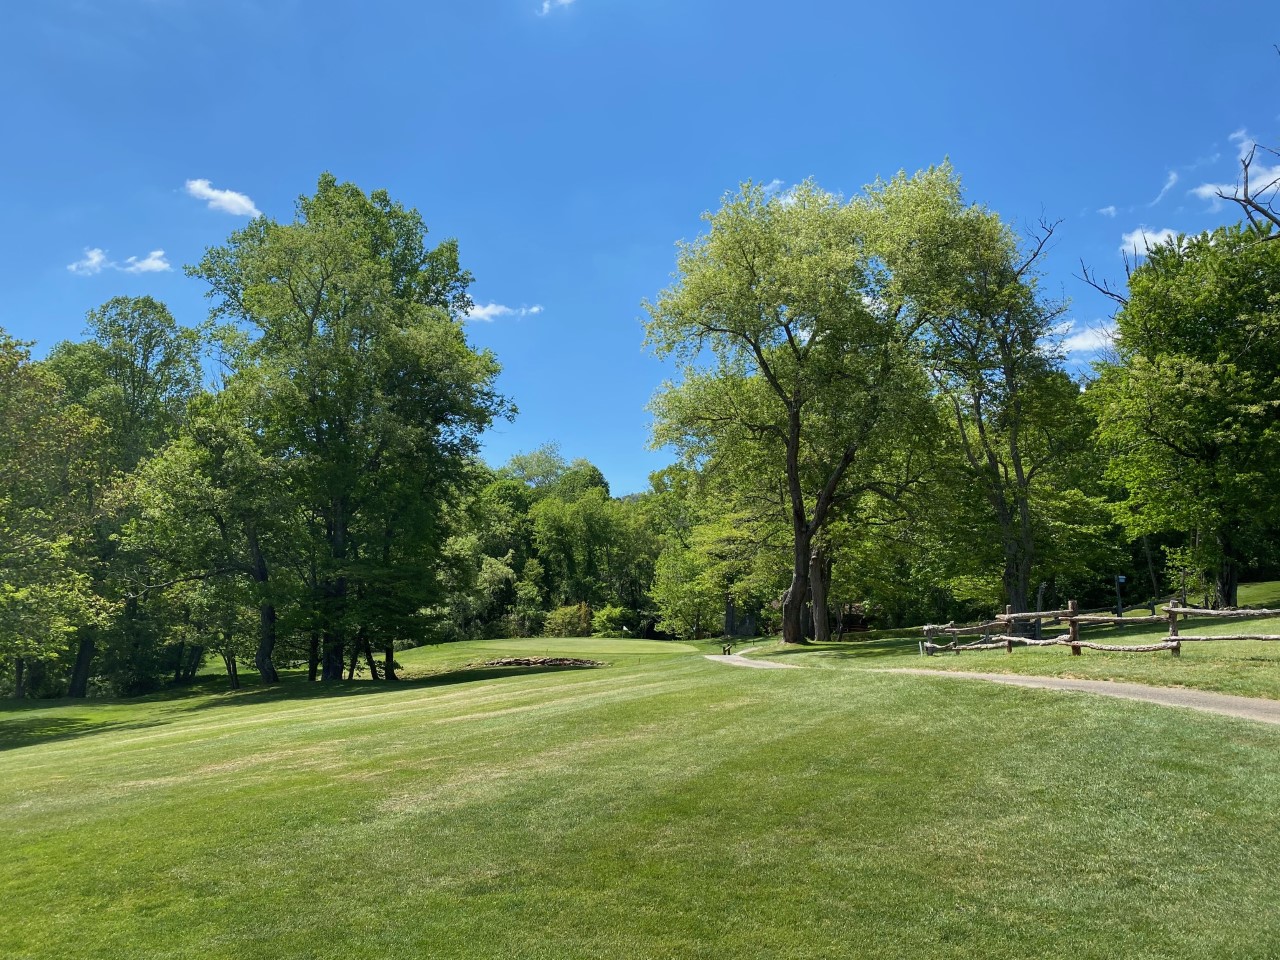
(1136, 243)
(549, 5)
(153, 262)
(1109, 211)
(1169, 183)
(1263, 178)
(1244, 142)
(228, 201)
(95, 260)
(490, 312)
(1088, 338)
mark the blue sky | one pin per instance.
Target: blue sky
(569, 144)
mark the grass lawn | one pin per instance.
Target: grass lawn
(664, 806)
(1247, 668)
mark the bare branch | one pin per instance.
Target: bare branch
(1103, 286)
(1252, 202)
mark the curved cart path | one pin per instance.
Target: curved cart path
(1250, 708)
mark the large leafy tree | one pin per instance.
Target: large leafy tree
(985, 335)
(796, 373)
(1190, 407)
(374, 400)
(48, 449)
(216, 517)
(136, 373)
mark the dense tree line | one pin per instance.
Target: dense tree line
(873, 420)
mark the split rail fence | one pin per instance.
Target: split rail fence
(994, 635)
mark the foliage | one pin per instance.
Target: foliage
(1190, 407)
(373, 398)
(1019, 436)
(613, 621)
(795, 371)
(573, 620)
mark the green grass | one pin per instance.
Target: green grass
(1247, 668)
(664, 806)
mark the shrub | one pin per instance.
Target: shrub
(572, 621)
(614, 621)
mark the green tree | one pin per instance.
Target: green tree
(135, 374)
(1189, 409)
(796, 373)
(375, 400)
(985, 331)
(48, 449)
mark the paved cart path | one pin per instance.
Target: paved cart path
(1248, 708)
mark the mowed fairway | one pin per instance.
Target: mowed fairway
(664, 806)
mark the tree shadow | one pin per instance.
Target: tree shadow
(27, 731)
(15, 734)
(851, 649)
(305, 690)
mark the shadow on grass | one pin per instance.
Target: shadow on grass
(17, 731)
(302, 689)
(851, 649)
(24, 733)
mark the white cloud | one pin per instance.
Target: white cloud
(1107, 211)
(1169, 182)
(1263, 178)
(1089, 339)
(94, 261)
(228, 201)
(1137, 242)
(549, 5)
(773, 186)
(1243, 141)
(490, 312)
(153, 262)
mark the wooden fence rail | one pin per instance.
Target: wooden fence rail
(1076, 620)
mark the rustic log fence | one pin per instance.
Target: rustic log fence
(1076, 620)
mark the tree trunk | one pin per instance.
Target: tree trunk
(793, 601)
(1151, 567)
(818, 573)
(332, 658)
(355, 658)
(266, 643)
(79, 687)
(1227, 581)
(730, 620)
(313, 657)
(266, 613)
(194, 657)
(20, 679)
(233, 672)
(368, 657)
(389, 662)
(178, 661)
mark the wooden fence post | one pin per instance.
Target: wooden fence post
(1074, 627)
(1173, 631)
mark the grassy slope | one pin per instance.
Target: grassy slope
(1244, 668)
(662, 807)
